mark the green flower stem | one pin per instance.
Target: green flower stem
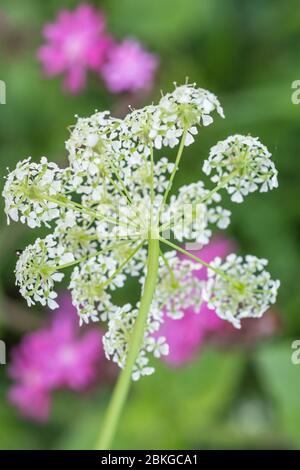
(115, 170)
(199, 260)
(84, 258)
(205, 198)
(110, 423)
(121, 267)
(171, 272)
(69, 204)
(152, 195)
(176, 166)
(219, 186)
(123, 193)
(119, 190)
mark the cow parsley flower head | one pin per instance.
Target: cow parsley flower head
(186, 336)
(112, 212)
(37, 270)
(115, 341)
(245, 291)
(241, 164)
(75, 232)
(88, 295)
(120, 329)
(177, 286)
(29, 190)
(194, 210)
(178, 113)
(92, 141)
(177, 289)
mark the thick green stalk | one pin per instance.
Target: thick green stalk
(120, 392)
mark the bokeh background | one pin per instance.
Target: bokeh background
(241, 394)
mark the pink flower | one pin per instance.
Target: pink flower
(52, 358)
(33, 403)
(129, 68)
(185, 336)
(76, 42)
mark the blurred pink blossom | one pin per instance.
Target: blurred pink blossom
(32, 402)
(76, 42)
(129, 67)
(52, 358)
(186, 336)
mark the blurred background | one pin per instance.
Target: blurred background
(239, 390)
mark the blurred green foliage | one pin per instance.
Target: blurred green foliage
(248, 53)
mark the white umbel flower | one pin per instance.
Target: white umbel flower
(178, 288)
(90, 140)
(76, 234)
(115, 197)
(247, 160)
(116, 341)
(241, 288)
(191, 212)
(28, 191)
(89, 288)
(186, 108)
(37, 270)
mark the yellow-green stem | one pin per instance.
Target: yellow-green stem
(110, 423)
(199, 260)
(205, 198)
(176, 167)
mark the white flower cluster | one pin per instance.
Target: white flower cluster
(177, 289)
(111, 199)
(76, 233)
(117, 339)
(241, 164)
(28, 191)
(94, 279)
(245, 291)
(182, 110)
(92, 142)
(190, 212)
(139, 181)
(37, 270)
(87, 285)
